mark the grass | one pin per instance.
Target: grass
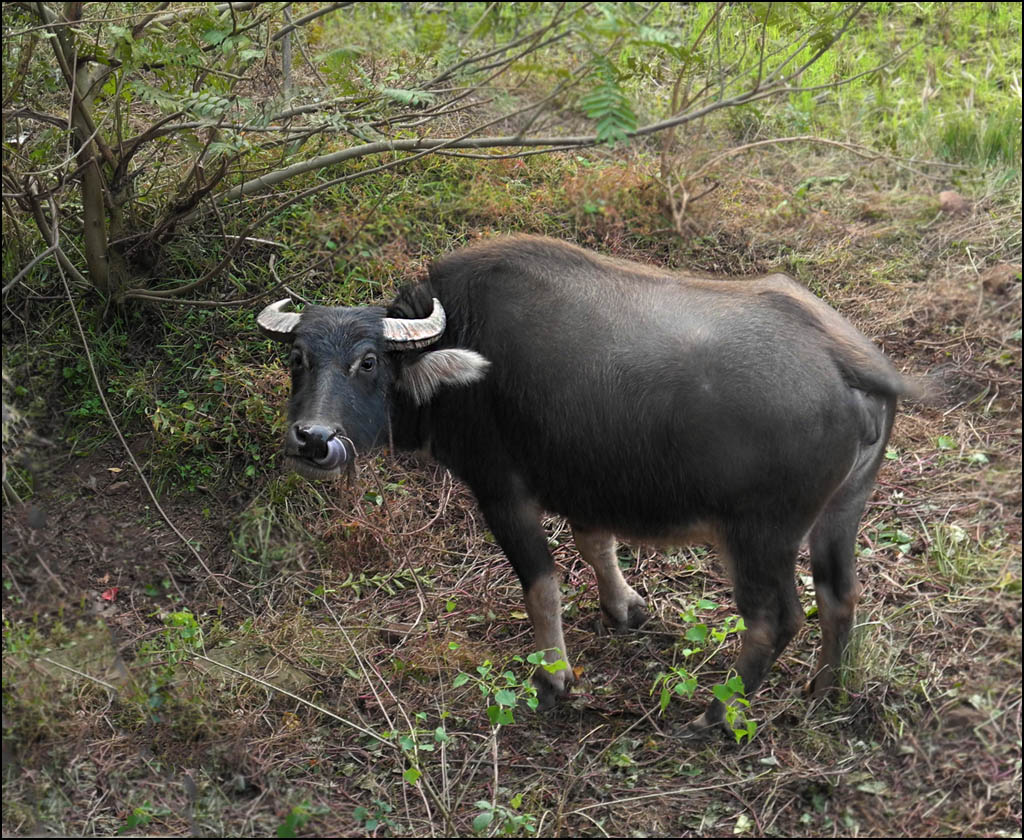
(368, 600)
(318, 570)
(293, 686)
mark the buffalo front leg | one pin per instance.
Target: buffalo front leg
(516, 526)
(621, 606)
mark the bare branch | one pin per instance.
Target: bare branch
(137, 30)
(50, 234)
(831, 42)
(147, 17)
(29, 114)
(28, 268)
(776, 77)
(21, 71)
(136, 142)
(508, 155)
(302, 21)
(64, 51)
(447, 74)
(271, 179)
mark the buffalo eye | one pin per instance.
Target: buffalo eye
(368, 363)
(295, 361)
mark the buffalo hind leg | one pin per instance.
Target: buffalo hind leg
(766, 597)
(833, 542)
(517, 528)
(621, 606)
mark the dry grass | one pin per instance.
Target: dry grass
(365, 612)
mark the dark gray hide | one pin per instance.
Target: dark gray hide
(634, 402)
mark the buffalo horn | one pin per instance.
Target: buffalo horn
(411, 333)
(276, 322)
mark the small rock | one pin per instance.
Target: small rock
(951, 202)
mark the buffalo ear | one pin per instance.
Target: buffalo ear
(454, 366)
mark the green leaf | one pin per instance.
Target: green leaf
(698, 633)
(499, 716)
(412, 775)
(747, 731)
(608, 106)
(413, 98)
(482, 820)
(215, 36)
(557, 665)
(687, 687)
(735, 684)
(505, 697)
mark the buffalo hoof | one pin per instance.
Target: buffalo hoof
(638, 616)
(630, 615)
(552, 688)
(820, 686)
(704, 728)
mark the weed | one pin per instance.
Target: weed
(951, 549)
(181, 636)
(379, 816)
(890, 537)
(298, 817)
(218, 426)
(140, 817)
(505, 820)
(162, 588)
(389, 583)
(416, 741)
(986, 139)
(682, 681)
(503, 690)
(256, 539)
(733, 695)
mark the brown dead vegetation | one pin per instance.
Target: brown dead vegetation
(400, 588)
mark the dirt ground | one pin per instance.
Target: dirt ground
(374, 624)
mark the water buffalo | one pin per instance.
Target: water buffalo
(637, 403)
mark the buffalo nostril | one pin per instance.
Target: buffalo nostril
(313, 441)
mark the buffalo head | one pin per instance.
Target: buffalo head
(347, 365)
